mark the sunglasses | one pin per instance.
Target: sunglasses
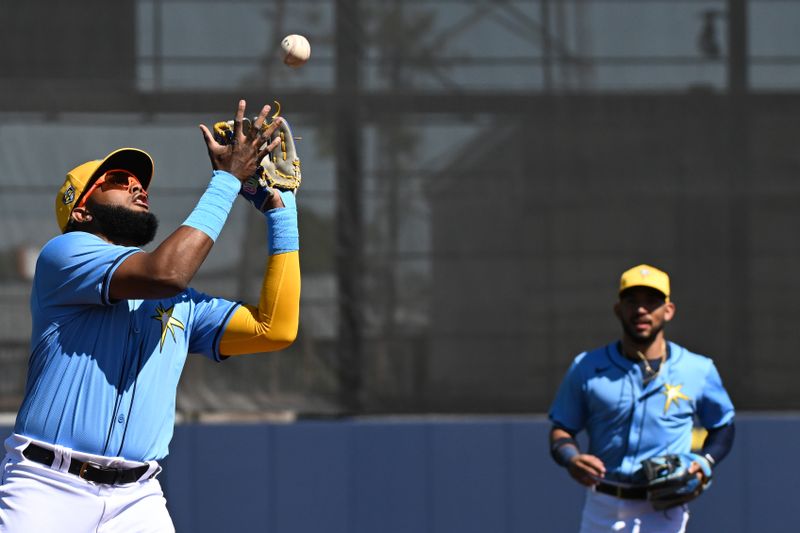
(113, 179)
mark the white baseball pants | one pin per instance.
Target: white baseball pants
(34, 497)
(603, 513)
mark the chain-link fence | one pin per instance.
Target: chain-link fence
(476, 176)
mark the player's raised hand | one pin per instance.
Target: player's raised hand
(242, 156)
(586, 469)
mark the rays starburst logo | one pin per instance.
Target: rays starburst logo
(168, 323)
(673, 394)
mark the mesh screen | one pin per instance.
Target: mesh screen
(476, 177)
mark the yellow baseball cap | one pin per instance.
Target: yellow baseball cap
(137, 162)
(645, 276)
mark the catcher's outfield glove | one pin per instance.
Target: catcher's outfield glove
(669, 482)
(278, 170)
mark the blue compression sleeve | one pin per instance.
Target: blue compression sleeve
(719, 442)
(282, 233)
(563, 450)
(211, 212)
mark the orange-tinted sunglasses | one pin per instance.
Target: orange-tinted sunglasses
(113, 179)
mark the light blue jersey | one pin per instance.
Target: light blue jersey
(103, 375)
(628, 421)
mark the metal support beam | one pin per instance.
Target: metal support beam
(739, 171)
(96, 99)
(349, 203)
(737, 47)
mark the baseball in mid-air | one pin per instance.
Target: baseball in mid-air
(296, 50)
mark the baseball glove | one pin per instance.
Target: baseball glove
(278, 170)
(669, 482)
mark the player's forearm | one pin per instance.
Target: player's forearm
(718, 443)
(211, 212)
(562, 446)
(273, 324)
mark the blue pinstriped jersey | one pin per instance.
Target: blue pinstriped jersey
(628, 420)
(103, 375)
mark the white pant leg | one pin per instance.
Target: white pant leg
(672, 520)
(41, 499)
(36, 498)
(603, 513)
(136, 508)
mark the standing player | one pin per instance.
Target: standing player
(637, 399)
(112, 325)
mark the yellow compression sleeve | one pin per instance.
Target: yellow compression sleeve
(273, 324)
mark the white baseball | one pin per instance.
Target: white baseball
(296, 50)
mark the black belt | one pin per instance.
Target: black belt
(86, 470)
(626, 493)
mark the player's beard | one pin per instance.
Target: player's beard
(638, 338)
(122, 225)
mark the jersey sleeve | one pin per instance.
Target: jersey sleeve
(273, 324)
(569, 407)
(76, 269)
(210, 316)
(714, 408)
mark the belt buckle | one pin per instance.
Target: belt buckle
(85, 466)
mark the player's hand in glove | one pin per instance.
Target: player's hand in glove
(586, 469)
(278, 169)
(240, 152)
(676, 479)
(699, 467)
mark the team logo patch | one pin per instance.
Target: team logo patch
(168, 323)
(69, 195)
(674, 395)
